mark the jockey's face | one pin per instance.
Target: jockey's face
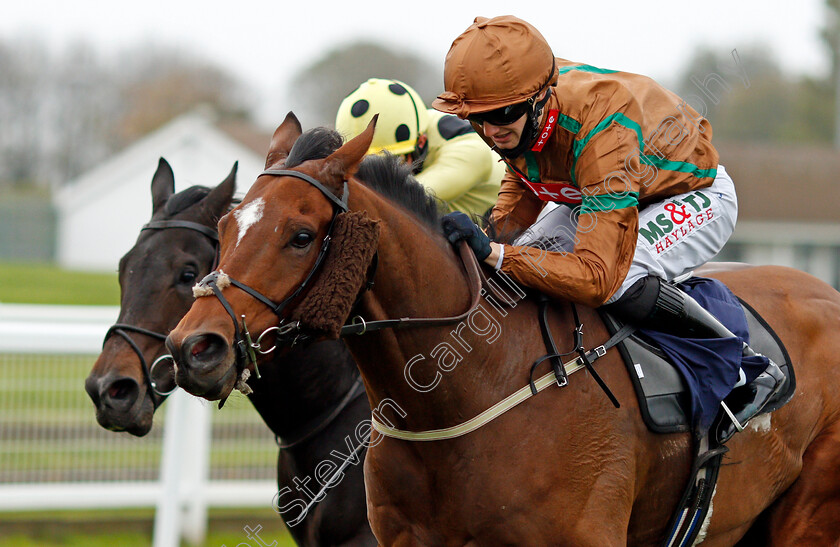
(505, 136)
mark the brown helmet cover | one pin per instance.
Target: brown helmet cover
(494, 63)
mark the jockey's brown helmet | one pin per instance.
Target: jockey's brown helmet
(494, 64)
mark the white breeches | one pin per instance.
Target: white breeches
(676, 235)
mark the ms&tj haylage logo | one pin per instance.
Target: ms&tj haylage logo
(681, 217)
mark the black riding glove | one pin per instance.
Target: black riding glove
(458, 226)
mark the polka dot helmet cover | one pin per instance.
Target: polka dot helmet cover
(402, 115)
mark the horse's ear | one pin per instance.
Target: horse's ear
(283, 139)
(216, 203)
(163, 185)
(345, 161)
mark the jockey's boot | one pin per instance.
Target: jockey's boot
(653, 303)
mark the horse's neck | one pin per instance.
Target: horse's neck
(418, 272)
(299, 387)
(418, 275)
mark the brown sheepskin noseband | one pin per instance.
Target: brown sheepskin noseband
(326, 306)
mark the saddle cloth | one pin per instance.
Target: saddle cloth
(671, 399)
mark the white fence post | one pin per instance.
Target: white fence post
(182, 506)
(196, 468)
(168, 514)
(42, 394)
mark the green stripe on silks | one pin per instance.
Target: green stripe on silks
(567, 122)
(532, 167)
(586, 68)
(679, 166)
(608, 202)
(618, 117)
(578, 145)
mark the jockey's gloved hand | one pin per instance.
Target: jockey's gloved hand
(458, 226)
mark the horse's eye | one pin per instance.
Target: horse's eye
(302, 240)
(187, 277)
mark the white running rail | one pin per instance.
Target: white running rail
(54, 456)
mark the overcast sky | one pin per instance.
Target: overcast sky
(264, 43)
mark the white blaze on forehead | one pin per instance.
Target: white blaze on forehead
(247, 216)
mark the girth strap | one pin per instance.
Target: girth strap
(584, 357)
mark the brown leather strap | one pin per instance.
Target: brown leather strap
(473, 278)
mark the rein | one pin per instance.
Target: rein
(292, 332)
(243, 343)
(559, 374)
(122, 329)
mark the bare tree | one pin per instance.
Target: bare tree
(156, 85)
(20, 109)
(748, 97)
(830, 34)
(82, 102)
(64, 112)
(317, 90)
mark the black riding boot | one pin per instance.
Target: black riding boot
(651, 303)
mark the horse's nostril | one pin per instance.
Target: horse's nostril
(119, 389)
(199, 346)
(92, 388)
(120, 392)
(203, 349)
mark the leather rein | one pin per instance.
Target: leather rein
(122, 329)
(293, 332)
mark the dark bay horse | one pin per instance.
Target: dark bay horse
(298, 394)
(564, 467)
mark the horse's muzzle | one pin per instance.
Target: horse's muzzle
(120, 404)
(205, 364)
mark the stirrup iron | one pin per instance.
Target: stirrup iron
(732, 417)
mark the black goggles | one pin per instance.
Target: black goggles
(502, 116)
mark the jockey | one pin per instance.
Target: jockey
(448, 156)
(611, 177)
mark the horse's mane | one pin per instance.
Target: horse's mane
(184, 199)
(494, 232)
(314, 144)
(386, 174)
(391, 177)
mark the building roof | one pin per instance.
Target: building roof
(784, 182)
(247, 134)
(99, 214)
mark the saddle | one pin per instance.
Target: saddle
(664, 402)
(664, 406)
(661, 389)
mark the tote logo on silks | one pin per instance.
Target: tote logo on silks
(547, 130)
(679, 219)
(555, 191)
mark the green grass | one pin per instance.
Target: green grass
(42, 396)
(22, 283)
(132, 528)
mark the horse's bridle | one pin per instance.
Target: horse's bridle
(292, 332)
(122, 329)
(243, 343)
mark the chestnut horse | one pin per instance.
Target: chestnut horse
(297, 394)
(563, 468)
